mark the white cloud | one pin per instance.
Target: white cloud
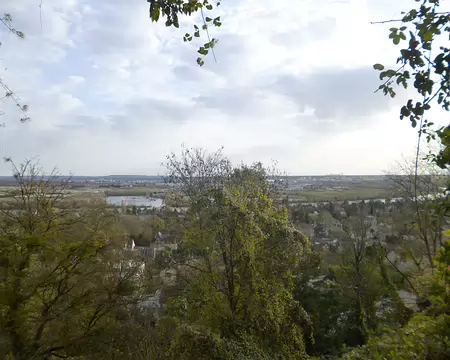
(111, 92)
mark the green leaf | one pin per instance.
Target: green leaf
(202, 51)
(156, 14)
(200, 61)
(428, 36)
(378, 67)
(390, 72)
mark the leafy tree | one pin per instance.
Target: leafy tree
(427, 334)
(240, 254)
(63, 276)
(323, 302)
(424, 61)
(421, 28)
(358, 279)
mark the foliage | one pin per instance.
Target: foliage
(173, 9)
(424, 338)
(248, 285)
(325, 305)
(240, 257)
(418, 183)
(425, 61)
(427, 334)
(62, 275)
(358, 280)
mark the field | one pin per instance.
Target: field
(344, 190)
(357, 193)
(320, 189)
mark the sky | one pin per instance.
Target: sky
(109, 92)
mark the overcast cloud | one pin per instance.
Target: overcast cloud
(111, 93)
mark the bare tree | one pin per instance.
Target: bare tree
(421, 187)
(196, 171)
(9, 94)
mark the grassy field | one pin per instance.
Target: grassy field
(357, 193)
(360, 192)
(363, 190)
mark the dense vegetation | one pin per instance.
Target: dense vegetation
(237, 273)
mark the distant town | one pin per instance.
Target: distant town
(317, 182)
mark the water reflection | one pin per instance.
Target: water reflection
(134, 201)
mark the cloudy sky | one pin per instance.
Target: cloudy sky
(111, 93)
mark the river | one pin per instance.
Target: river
(135, 201)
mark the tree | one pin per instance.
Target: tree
(240, 254)
(426, 335)
(357, 278)
(324, 303)
(196, 172)
(425, 62)
(419, 185)
(63, 276)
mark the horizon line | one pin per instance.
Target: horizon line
(141, 175)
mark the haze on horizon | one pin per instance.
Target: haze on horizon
(111, 93)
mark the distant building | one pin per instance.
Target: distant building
(130, 245)
(163, 242)
(152, 303)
